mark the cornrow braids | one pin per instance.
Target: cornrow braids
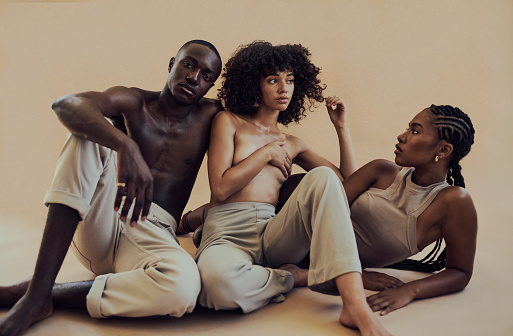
(455, 127)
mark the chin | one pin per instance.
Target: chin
(398, 162)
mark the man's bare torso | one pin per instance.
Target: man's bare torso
(173, 148)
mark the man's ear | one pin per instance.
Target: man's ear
(171, 62)
(445, 149)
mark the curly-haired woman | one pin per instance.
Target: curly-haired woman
(246, 254)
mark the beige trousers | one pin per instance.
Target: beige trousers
(244, 243)
(142, 271)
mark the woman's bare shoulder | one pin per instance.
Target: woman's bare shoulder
(225, 117)
(455, 195)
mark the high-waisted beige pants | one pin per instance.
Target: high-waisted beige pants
(244, 243)
(141, 271)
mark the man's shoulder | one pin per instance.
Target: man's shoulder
(127, 98)
(209, 105)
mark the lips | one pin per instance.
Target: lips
(188, 89)
(283, 100)
(397, 149)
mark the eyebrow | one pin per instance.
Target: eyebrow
(416, 124)
(275, 73)
(193, 59)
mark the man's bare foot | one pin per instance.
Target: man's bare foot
(300, 275)
(24, 313)
(9, 295)
(362, 319)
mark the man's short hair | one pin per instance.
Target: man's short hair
(203, 43)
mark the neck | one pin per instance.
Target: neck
(265, 118)
(426, 176)
(171, 108)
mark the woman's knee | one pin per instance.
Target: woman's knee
(320, 179)
(222, 284)
(321, 173)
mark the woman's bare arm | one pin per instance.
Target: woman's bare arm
(225, 179)
(308, 159)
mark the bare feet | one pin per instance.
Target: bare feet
(24, 313)
(26, 309)
(300, 275)
(9, 295)
(362, 319)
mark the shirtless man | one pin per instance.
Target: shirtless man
(115, 198)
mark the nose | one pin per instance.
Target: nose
(401, 137)
(193, 76)
(282, 88)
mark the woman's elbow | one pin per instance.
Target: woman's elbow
(219, 193)
(463, 280)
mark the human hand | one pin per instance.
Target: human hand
(377, 281)
(279, 157)
(391, 299)
(336, 110)
(134, 182)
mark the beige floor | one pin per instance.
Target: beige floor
(387, 59)
(481, 309)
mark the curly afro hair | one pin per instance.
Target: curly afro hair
(241, 78)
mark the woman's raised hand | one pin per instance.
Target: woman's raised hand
(336, 110)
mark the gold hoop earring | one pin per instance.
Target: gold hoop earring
(437, 158)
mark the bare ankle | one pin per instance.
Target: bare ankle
(300, 275)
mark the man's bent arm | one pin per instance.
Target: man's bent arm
(84, 115)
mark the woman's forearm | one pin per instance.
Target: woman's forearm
(445, 282)
(347, 155)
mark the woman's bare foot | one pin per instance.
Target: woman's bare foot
(362, 319)
(23, 314)
(300, 275)
(9, 295)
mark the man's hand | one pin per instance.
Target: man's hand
(134, 182)
(376, 281)
(280, 158)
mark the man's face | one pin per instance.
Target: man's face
(193, 73)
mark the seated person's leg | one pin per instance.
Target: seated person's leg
(153, 275)
(317, 211)
(65, 212)
(231, 281)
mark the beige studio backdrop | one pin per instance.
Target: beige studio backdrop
(388, 59)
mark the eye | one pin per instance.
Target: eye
(207, 78)
(290, 81)
(187, 65)
(272, 81)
